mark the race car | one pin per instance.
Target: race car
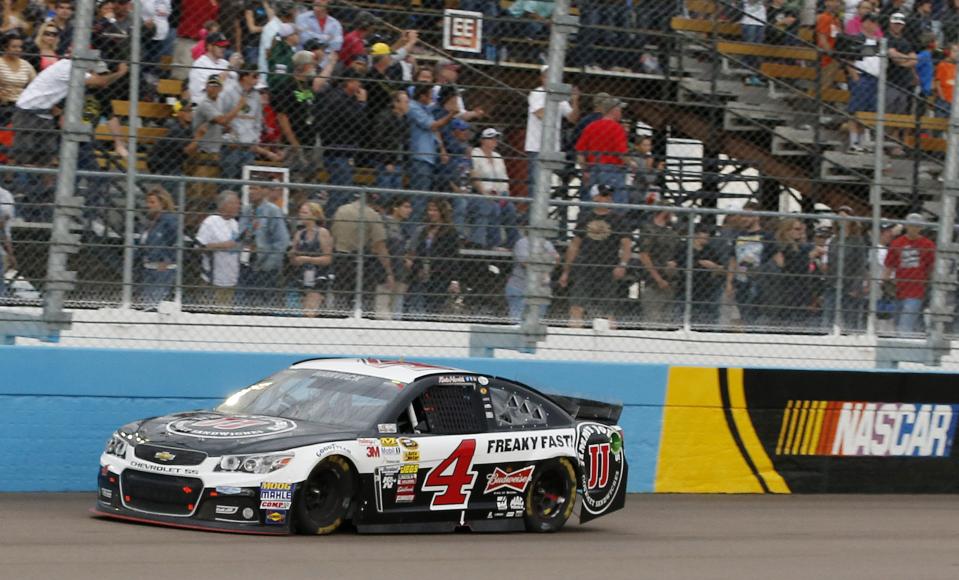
(386, 445)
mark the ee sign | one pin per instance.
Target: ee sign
(463, 31)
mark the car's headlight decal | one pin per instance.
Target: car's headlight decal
(260, 463)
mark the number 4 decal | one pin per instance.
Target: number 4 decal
(452, 478)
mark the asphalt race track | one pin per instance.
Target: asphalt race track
(52, 536)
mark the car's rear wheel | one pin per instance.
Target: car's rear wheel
(550, 496)
(323, 500)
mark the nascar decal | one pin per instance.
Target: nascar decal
(505, 480)
(863, 429)
(220, 427)
(600, 449)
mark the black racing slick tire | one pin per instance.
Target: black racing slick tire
(323, 500)
(550, 496)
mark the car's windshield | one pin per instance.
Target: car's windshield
(333, 398)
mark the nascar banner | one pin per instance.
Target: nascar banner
(783, 431)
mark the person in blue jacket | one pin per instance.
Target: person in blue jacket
(157, 249)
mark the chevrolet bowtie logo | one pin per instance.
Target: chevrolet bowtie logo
(164, 456)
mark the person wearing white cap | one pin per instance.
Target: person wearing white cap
(901, 74)
(910, 259)
(488, 216)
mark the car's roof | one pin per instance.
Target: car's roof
(401, 370)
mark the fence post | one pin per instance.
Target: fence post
(838, 290)
(539, 263)
(65, 205)
(180, 226)
(688, 298)
(360, 258)
(875, 188)
(132, 122)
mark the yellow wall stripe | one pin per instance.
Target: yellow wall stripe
(782, 430)
(737, 399)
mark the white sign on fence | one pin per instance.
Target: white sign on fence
(463, 31)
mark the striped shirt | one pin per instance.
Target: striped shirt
(13, 79)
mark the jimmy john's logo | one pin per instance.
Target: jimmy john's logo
(858, 429)
(217, 427)
(600, 450)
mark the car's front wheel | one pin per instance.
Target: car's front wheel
(323, 500)
(550, 496)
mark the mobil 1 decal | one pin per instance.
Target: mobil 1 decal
(600, 451)
(869, 431)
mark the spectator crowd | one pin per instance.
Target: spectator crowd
(321, 90)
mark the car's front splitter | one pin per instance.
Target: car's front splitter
(207, 526)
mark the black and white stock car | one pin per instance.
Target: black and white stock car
(390, 446)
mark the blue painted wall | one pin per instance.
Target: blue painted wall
(61, 404)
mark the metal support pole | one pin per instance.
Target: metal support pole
(943, 279)
(65, 204)
(180, 226)
(133, 121)
(361, 247)
(539, 264)
(875, 188)
(688, 300)
(840, 269)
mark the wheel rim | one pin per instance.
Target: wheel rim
(320, 496)
(550, 494)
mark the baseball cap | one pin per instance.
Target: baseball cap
(489, 133)
(915, 217)
(379, 49)
(600, 190)
(217, 39)
(314, 44)
(303, 57)
(286, 29)
(459, 125)
(897, 18)
(363, 20)
(611, 103)
(445, 62)
(100, 67)
(845, 209)
(214, 80)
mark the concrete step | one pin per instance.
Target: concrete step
(752, 117)
(795, 142)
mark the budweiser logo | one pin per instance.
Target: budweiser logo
(516, 480)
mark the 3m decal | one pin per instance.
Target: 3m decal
(516, 480)
(229, 427)
(598, 466)
(372, 452)
(452, 479)
(861, 429)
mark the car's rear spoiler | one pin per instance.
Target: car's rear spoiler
(589, 410)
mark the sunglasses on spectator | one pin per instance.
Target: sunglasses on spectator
(51, 33)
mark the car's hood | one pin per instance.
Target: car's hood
(218, 434)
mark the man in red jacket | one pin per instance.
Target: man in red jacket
(602, 151)
(910, 259)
